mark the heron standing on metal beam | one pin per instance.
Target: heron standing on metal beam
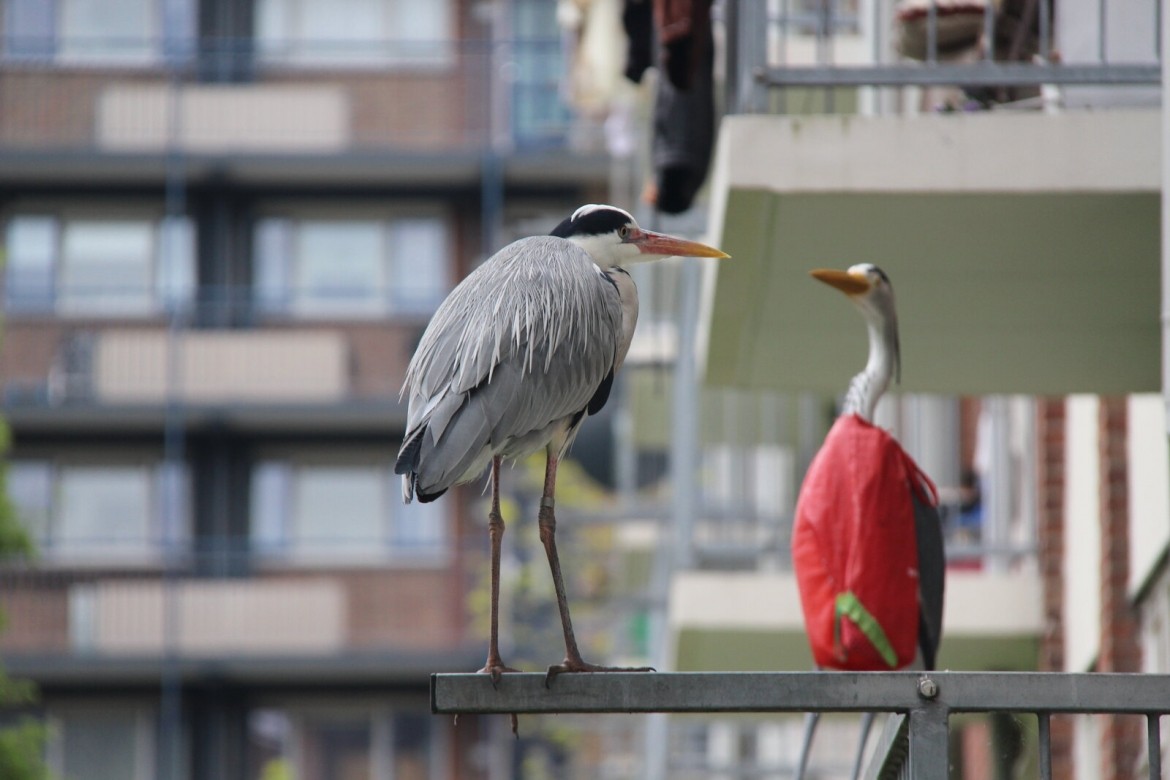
(514, 360)
(867, 540)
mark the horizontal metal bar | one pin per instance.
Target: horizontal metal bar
(800, 692)
(975, 74)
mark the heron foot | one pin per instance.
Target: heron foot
(495, 667)
(497, 670)
(576, 665)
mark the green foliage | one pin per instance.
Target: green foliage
(14, 541)
(22, 748)
(22, 737)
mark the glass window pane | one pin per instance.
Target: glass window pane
(336, 749)
(106, 266)
(86, 740)
(356, 32)
(270, 740)
(28, 29)
(341, 20)
(419, 528)
(269, 504)
(31, 248)
(107, 30)
(340, 268)
(338, 508)
(30, 488)
(272, 249)
(103, 508)
(412, 741)
(422, 31)
(419, 264)
(176, 261)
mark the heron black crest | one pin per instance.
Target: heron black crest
(593, 220)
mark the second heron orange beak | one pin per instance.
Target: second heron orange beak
(850, 284)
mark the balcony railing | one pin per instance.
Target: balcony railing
(269, 608)
(303, 97)
(914, 744)
(991, 52)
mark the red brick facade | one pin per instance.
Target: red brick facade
(1121, 737)
(1050, 477)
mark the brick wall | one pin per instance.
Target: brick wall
(1050, 478)
(1121, 736)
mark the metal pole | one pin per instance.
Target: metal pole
(928, 741)
(1044, 724)
(676, 553)
(170, 682)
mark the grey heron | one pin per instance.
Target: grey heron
(520, 353)
(887, 526)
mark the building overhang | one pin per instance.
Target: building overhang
(1024, 249)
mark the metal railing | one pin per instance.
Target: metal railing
(915, 742)
(1003, 50)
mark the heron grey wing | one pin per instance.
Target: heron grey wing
(931, 577)
(523, 405)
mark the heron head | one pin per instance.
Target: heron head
(612, 237)
(870, 290)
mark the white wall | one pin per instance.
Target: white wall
(1082, 534)
(1149, 487)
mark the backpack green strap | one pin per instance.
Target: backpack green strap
(848, 605)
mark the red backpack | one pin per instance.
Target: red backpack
(854, 549)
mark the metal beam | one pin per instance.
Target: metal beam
(801, 692)
(972, 75)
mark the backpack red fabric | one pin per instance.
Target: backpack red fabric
(854, 549)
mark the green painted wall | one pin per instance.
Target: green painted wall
(997, 293)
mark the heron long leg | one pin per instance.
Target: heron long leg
(495, 665)
(548, 528)
(866, 724)
(811, 719)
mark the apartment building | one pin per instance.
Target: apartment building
(225, 224)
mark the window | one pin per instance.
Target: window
(341, 743)
(361, 33)
(106, 32)
(78, 265)
(351, 268)
(321, 507)
(107, 742)
(95, 510)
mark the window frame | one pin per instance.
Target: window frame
(380, 717)
(145, 715)
(285, 548)
(276, 293)
(291, 50)
(171, 37)
(150, 551)
(167, 289)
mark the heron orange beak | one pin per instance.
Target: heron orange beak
(651, 243)
(843, 280)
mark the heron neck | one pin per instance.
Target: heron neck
(867, 388)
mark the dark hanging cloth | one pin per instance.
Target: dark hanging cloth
(684, 105)
(684, 134)
(638, 21)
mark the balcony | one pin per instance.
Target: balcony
(277, 623)
(298, 376)
(308, 111)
